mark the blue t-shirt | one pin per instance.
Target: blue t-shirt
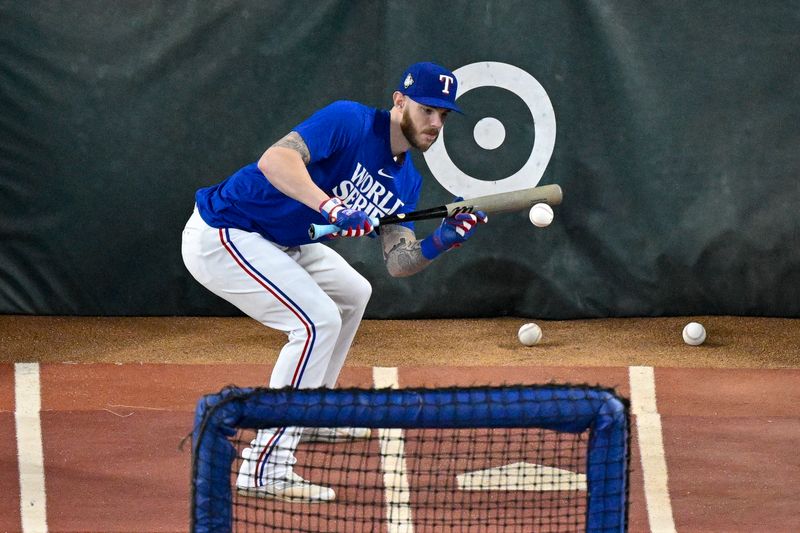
(351, 157)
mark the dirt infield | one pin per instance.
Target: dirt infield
(112, 461)
(111, 424)
(733, 342)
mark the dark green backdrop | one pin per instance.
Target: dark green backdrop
(678, 148)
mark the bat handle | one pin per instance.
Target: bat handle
(317, 231)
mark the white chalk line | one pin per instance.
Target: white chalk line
(30, 455)
(393, 463)
(651, 449)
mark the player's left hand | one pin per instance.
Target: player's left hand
(452, 233)
(354, 223)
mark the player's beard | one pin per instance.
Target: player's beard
(413, 135)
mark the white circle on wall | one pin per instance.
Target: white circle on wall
(526, 87)
(489, 133)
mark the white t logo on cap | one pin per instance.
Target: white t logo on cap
(447, 81)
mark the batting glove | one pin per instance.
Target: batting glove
(452, 233)
(354, 223)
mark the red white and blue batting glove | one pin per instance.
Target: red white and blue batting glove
(354, 223)
(452, 233)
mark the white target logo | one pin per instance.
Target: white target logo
(490, 133)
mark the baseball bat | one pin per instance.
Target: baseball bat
(503, 202)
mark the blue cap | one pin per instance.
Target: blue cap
(430, 84)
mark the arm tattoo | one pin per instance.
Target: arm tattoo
(293, 141)
(402, 252)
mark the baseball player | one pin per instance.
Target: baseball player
(247, 242)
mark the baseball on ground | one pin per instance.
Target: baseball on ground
(694, 334)
(541, 215)
(529, 334)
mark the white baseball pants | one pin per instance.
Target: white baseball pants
(309, 292)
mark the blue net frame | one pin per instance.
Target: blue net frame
(561, 408)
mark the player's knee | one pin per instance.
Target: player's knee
(361, 291)
(356, 295)
(327, 318)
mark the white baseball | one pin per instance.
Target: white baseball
(541, 215)
(529, 334)
(694, 334)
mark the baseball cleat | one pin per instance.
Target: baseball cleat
(293, 489)
(335, 434)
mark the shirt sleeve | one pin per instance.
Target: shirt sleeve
(332, 128)
(410, 193)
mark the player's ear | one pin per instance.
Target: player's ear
(398, 99)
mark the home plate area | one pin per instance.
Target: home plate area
(522, 476)
(429, 480)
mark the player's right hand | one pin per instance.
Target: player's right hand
(354, 223)
(452, 233)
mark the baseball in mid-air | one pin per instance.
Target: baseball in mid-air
(541, 215)
(694, 334)
(529, 334)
